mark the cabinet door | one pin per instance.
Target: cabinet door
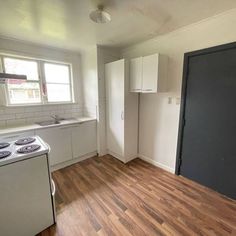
(136, 74)
(59, 140)
(115, 76)
(150, 73)
(84, 139)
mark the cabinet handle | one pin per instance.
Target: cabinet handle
(53, 187)
(122, 115)
(147, 89)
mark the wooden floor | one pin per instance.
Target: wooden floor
(102, 196)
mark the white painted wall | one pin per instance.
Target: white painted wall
(90, 81)
(158, 127)
(31, 114)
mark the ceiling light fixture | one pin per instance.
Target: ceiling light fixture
(100, 16)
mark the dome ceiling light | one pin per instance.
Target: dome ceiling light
(100, 16)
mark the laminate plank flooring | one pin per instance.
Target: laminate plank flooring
(102, 196)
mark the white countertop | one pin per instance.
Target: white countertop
(16, 129)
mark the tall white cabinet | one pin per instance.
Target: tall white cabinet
(121, 112)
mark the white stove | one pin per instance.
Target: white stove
(21, 149)
(27, 188)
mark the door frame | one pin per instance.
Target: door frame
(182, 121)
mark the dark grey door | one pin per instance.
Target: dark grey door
(208, 145)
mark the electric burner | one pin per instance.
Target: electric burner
(4, 145)
(25, 141)
(4, 154)
(29, 148)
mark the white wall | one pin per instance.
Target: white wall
(31, 114)
(158, 126)
(90, 81)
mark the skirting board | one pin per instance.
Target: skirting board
(102, 153)
(128, 159)
(155, 163)
(116, 156)
(73, 161)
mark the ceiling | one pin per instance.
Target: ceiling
(65, 23)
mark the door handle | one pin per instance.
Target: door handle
(122, 115)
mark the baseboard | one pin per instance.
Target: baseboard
(116, 155)
(102, 153)
(130, 158)
(73, 161)
(155, 163)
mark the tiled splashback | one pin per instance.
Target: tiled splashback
(90, 110)
(29, 115)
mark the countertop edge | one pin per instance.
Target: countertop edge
(12, 130)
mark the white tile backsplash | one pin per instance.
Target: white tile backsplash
(90, 111)
(13, 116)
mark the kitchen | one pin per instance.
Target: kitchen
(111, 132)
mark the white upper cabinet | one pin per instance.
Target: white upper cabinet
(136, 70)
(148, 74)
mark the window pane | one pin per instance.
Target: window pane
(23, 92)
(55, 73)
(22, 67)
(58, 93)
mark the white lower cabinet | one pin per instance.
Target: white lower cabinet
(59, 140)
(68, 142)
(84, 139)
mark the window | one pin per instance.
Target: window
(58, 82)
(20, 92)
(47, 82)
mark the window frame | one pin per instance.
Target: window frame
(70, 80)
(41, 81)
(28, 81)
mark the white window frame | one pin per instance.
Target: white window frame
(70, 80)
(42, 80)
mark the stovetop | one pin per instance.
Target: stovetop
(21, 149)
